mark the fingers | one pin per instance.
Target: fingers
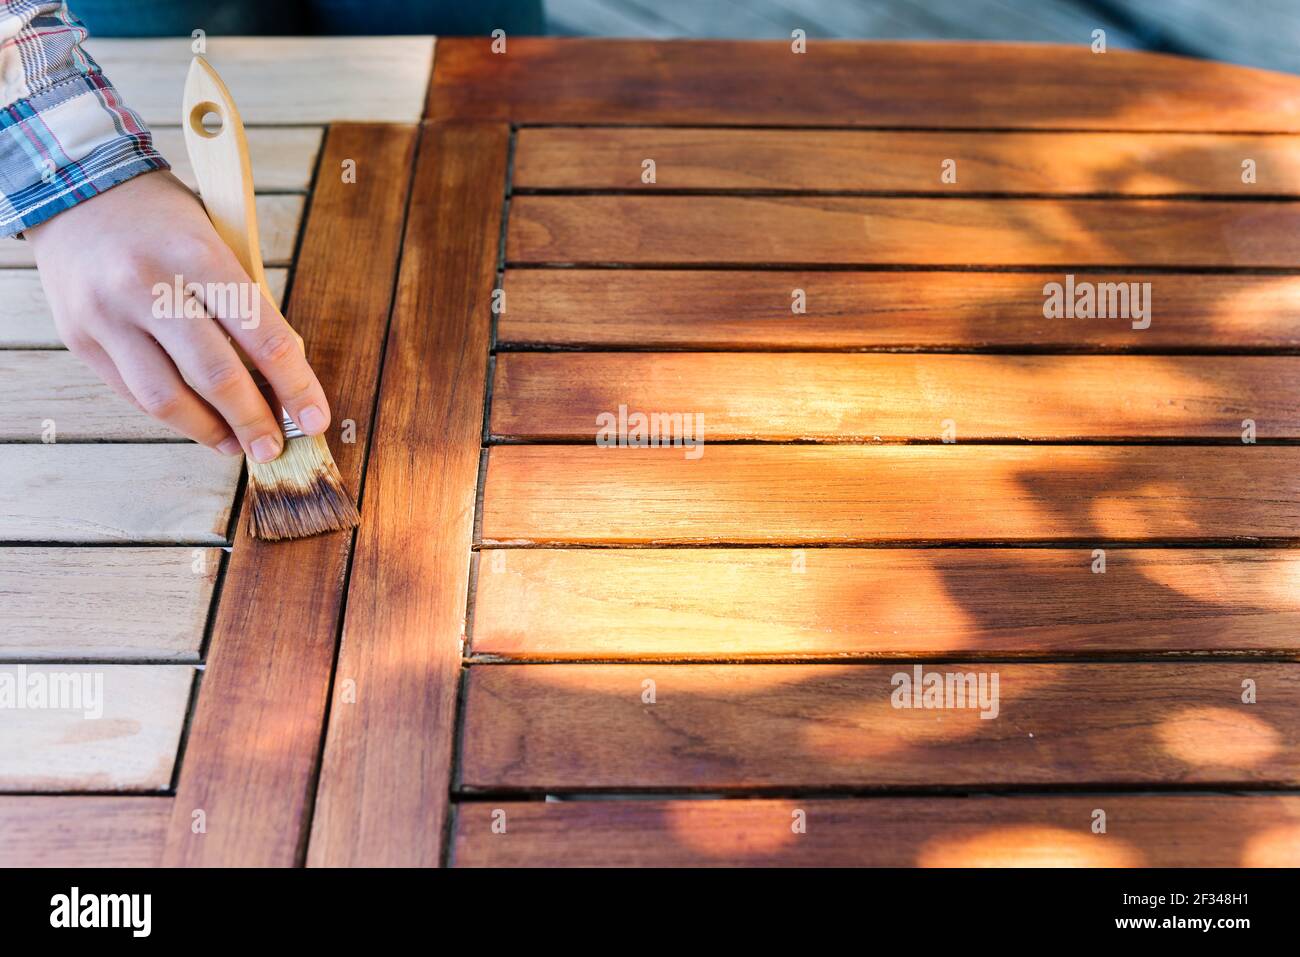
(160, 391)
(270, 342)
(210, 364)
(94, 356)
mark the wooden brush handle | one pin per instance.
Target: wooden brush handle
(222, 167)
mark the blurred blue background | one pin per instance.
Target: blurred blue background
(1263, 33)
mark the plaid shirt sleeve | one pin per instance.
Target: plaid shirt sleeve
(65, 134)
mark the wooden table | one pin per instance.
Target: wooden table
(907, 464)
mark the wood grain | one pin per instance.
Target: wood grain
(254, 746)
(278, 216)
(116, 493)
(283, 157)
(583, 727)
(1126, 164)
(82, 831)
(853, 398)
(38, 387)
(117, 728)
(858, 84)
(280, 80)
(859, 494)
(835, 230)
(407, 595)
(704, 309)
(1142, 830)
(26, 322)
(832, 602)
(112, 603)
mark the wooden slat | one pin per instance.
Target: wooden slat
(847, 494)
(898, 161)
(562, 727)
(834, 230)
(115, 603)
(849, 398)
(802, 603)
(913, 85)
(283, 80)
(407, 595)
(116, 493)
(254, 746)
(82, 831)
(702, 309)
(283, 157)
(26, 322)
(278, 215)
(130, 746)
(54, 386)
(1142, 830)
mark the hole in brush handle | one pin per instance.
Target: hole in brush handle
(207, 120)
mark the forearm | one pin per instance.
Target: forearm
(65, 135)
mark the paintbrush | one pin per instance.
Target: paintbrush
(300, 492)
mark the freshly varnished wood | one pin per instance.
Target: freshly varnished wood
(915, 85)
(853, 494)
(26, 322)
(832, 602)
(731, 309)
(580, 727)
(121, 732)
(1126, 164)
(116, 493)
(253, 749)
(837, 230)
(856, 398)
(1142, 830)
(112, 603)
(82, 831)
(407, 595)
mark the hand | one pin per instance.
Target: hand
(109, 266)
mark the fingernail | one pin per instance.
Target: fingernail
(265, 449)
(311, 419)
(230, 446)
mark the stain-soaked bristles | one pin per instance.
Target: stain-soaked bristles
(300, 493)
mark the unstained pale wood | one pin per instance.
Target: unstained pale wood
(848, 494)
(253, 751)
(283, 157)
(744, 310)
(280, 80)
(838, 230)
(909, 162)
(43, 390)
(830, 602)
(112, 603)
(26, 322)
(116, 493)
(1142, 830)
(579, 727)
(859, 84)
(406, 598)
(63, 831)
(278, 216)
(116, 727)
(857, 398)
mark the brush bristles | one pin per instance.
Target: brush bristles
(298, 494)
